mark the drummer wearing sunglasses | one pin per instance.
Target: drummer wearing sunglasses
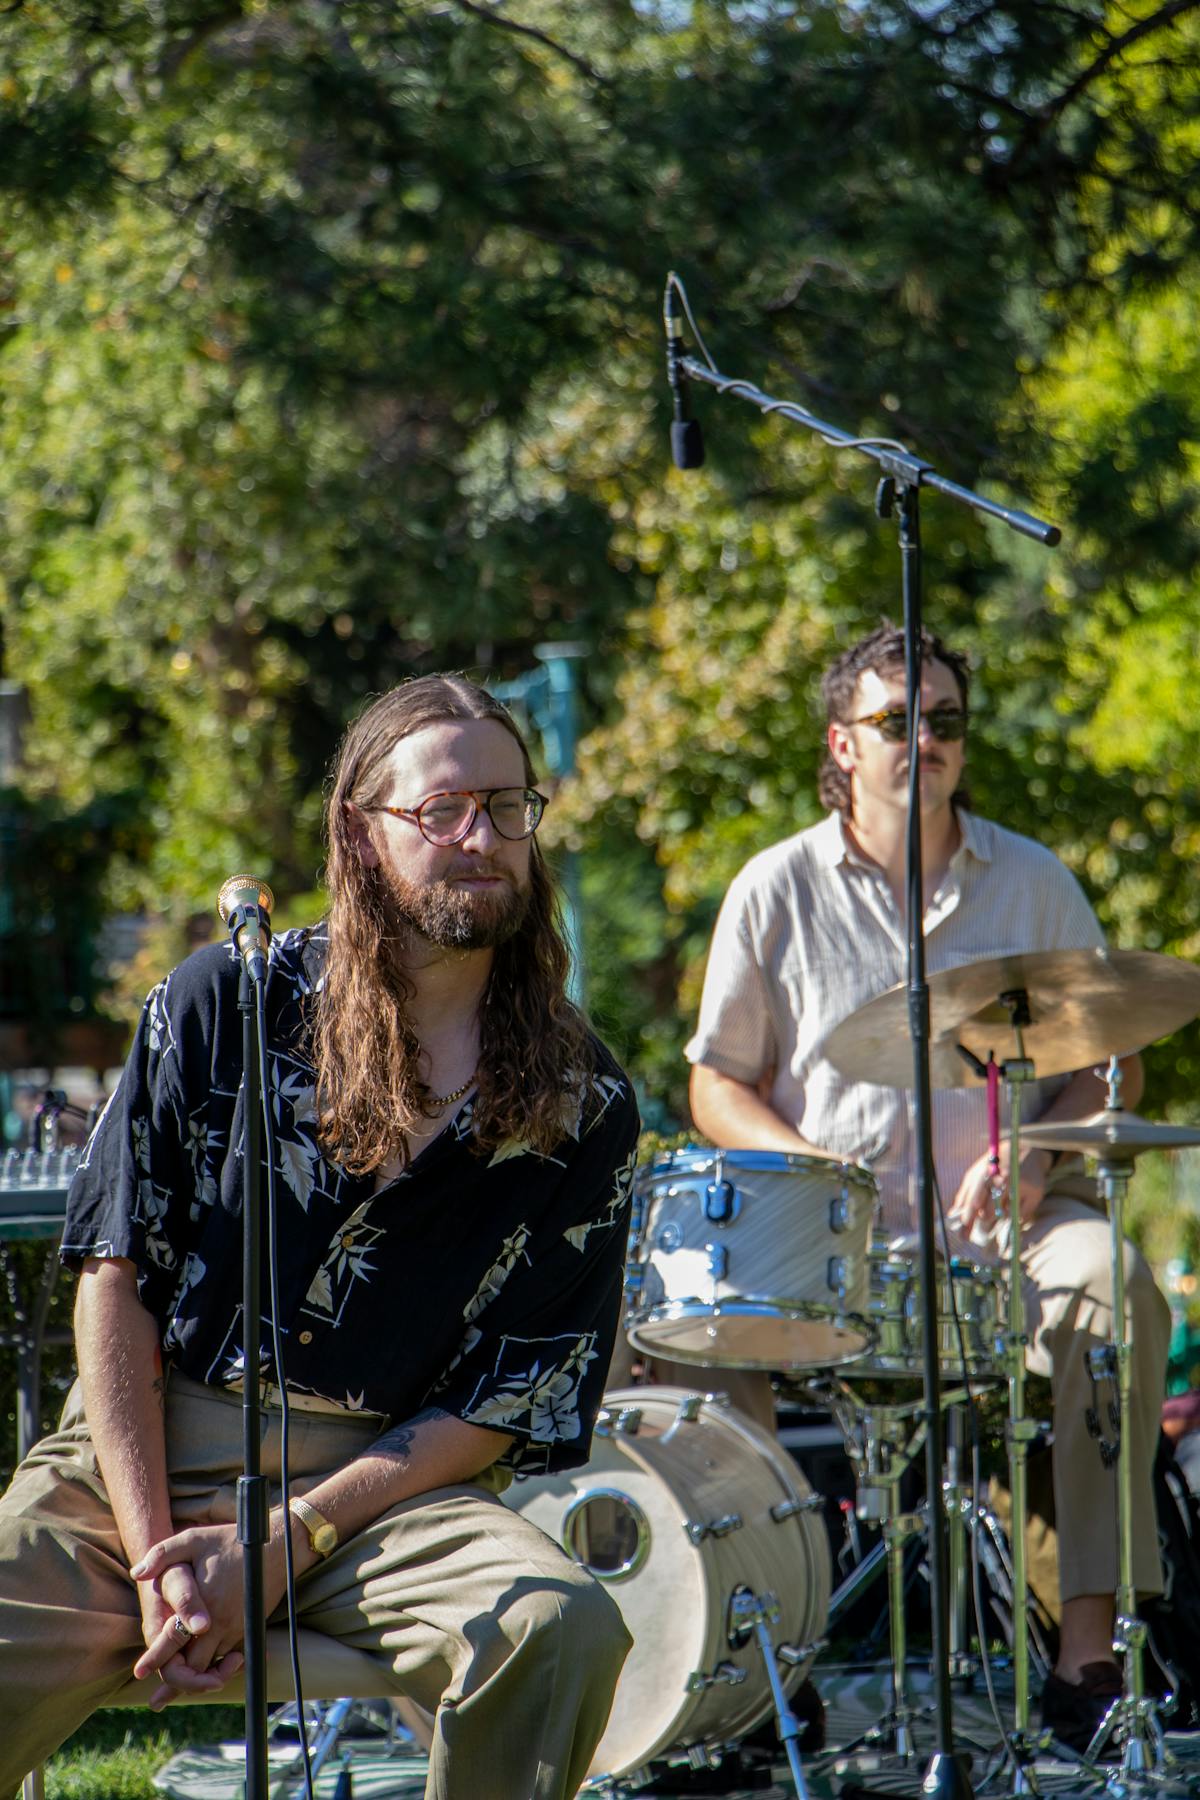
(812, 929)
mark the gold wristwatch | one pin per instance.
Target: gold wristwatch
(322, 1534)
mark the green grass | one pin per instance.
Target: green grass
(116, 1754)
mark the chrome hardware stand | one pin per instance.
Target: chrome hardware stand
(882, 1442)
(1146, 1765)
(958, 1501)
(751, 1615)
(1023, 1742)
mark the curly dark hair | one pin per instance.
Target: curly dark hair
(883, 651)
(535, 1047)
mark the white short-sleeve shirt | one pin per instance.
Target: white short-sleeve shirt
(810, 931)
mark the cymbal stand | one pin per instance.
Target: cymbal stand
(882, 1442)
(958, 1500)
(1146, 1763)
(1023, 1743)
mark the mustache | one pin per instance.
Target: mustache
(479, 871)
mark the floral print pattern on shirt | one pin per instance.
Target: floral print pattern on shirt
(487, 1284)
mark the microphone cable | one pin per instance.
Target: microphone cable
(747, 390)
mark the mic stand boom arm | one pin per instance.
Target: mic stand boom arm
(892, 457)
(902, 477)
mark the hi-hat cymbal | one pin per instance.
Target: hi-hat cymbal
(1114, 1130)
(1084, 1006)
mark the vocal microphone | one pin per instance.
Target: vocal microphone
(245, 904)
(687, 442)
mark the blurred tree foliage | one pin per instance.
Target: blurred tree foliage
(330, 354)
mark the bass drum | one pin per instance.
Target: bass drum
(686, 1506)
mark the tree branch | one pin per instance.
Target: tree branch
(1113, 49)
(491, 15)
(173, 59)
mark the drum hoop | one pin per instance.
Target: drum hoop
(750, 1307)
(753, 1306)
(699, 1161)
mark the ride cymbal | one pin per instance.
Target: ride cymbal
(1082, 1006)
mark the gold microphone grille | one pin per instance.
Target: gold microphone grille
(240, 890)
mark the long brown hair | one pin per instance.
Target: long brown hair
(534, 1044)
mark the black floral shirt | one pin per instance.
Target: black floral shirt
(485, 1284)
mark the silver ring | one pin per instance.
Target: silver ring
(181, 1631)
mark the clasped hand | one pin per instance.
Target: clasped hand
(974, 1201)
(195, 1576)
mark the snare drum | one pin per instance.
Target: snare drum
(684, 1506)
(750, 1259)
(971, 1304)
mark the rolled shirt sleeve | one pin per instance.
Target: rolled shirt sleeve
(735, 1033)
(133, 1179)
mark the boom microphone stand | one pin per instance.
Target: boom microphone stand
(245, 905)
(903, 475)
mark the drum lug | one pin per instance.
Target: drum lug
(795, 1654)
(689, 1409)
(698, 1530)
(725, 1672)
(789, 1509)
(629, 1421)
(835, 1276)
(839, 1213)
(722, 1202)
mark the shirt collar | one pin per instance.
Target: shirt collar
(834, 846)
(831, 842)
(976, 837)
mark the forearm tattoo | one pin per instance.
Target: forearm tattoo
(397, 1441)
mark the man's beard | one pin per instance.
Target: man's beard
(451, 917)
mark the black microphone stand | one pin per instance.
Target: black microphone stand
(899, 493)
(249, 925)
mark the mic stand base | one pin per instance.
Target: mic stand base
(948, 1777)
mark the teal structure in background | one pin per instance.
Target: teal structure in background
(548, 698)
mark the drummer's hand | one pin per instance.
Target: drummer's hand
(974, 1202)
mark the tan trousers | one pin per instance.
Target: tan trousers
(471, 1610)
(1067, 1256)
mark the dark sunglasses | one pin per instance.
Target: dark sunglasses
(947, 723)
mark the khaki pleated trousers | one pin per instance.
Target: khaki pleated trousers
(470, 1609)
(1067, 1255)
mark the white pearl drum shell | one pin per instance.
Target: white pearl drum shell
(678, 1469)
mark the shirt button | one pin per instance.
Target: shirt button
(306, 1337)
(348, 1240)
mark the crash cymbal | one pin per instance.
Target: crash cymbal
(1084, 1005)
(1114, 1129)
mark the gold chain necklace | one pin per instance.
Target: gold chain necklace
(437, 1101)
